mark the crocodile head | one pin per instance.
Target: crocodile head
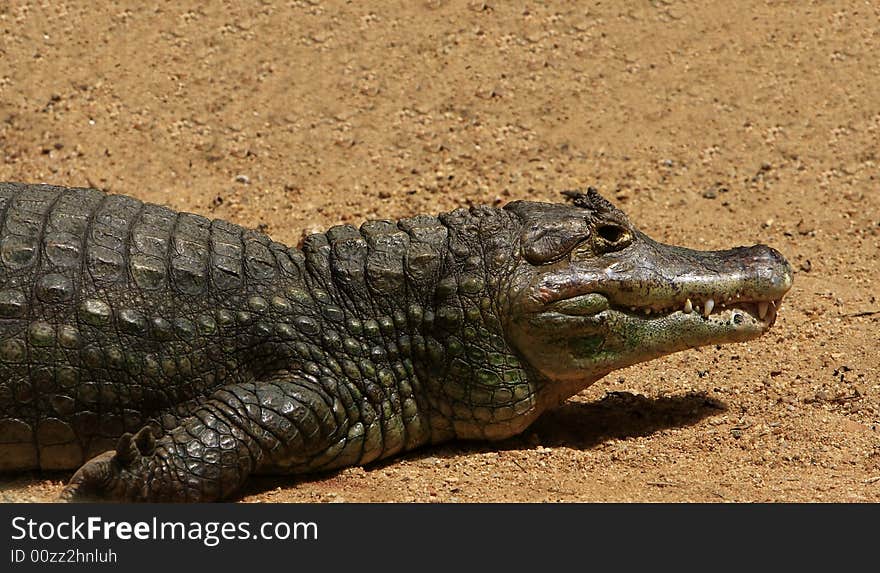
(592, 293)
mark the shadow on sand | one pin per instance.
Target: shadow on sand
(618, 415)
(580, 425)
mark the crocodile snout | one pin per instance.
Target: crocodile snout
(773, 268)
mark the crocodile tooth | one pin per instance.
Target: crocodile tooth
(688, 306)
(707, 310)
(762, 309)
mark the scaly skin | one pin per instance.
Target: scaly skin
(174, 356)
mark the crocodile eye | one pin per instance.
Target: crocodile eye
(611, 237)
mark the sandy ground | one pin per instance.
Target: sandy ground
(712, 124)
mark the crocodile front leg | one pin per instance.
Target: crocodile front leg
(241, 429)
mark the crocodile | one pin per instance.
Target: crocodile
(166, 356)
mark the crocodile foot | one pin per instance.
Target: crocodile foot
(209, 454)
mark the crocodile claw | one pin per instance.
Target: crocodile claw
(132, 447)
(92, 479)
(102, 478)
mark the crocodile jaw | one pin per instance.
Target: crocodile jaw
(614, 337)
(580, 320)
